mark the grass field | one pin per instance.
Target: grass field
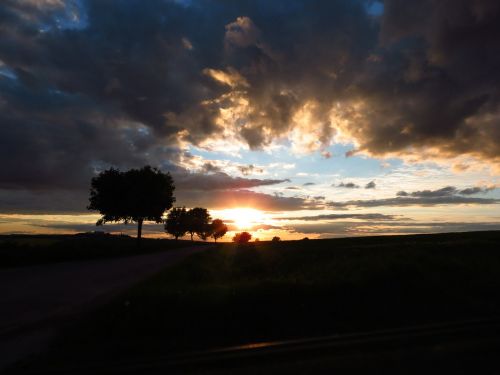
(24, 250)
(266, 291)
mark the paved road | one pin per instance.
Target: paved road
(33, 299)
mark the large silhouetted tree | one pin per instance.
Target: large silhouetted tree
(176, 223)
(218, 229)
(137, 195)
(197, 222)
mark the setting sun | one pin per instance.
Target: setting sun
(244, 218)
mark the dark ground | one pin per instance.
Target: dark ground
(270, 291)
(36, 300)
(23, 250)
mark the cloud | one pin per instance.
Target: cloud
(444, 196)
(308, 184)
(347, 185)
(443, 192)
(370, 185)
(447, 191)
(231, 78)
(185, 180)
(370, 228)
(249, 169)
(337, 228)
(83, 93)
(242, 32)
(209, 167)
(221, 199)
(326, 217)
(189, 188)
(476, 190)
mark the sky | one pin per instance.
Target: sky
(290, 118)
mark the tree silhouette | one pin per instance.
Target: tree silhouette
(176, 222)
(197, 222)
(276, 239)
(137, 195)
(219, 229)
(242, 237)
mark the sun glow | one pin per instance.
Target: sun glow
(244, 218)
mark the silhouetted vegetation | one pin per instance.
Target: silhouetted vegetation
(137, 195)
(176, 223)
(218, 229)
(276, 290)
(198, 222)
(242, 237)
(276, 239)
(195, 221)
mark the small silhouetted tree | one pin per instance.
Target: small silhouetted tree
(219, 229)
(176, 222)
(197, 222)
(276, 239)
(137, 195)
(242, 237)
(206, 232)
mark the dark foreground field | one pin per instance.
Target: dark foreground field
(267, 291)
(24, 250)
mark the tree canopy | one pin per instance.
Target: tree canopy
(136, 195)
(218, 229)
(198, 222)
(176, 223)
(242, 237)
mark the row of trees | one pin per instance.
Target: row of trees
(194, 221)
(139, 195)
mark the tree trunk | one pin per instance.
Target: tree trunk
(192, 236)
(215, 239)
(139, 231)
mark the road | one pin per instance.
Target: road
(35, 299)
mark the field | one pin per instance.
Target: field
(265, 291)
(23, 250)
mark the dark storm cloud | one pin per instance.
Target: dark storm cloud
(90, 84)
(150, 75)
(434, 81)
(53, 201)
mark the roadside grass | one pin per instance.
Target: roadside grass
(24, 250)
(265, 291)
